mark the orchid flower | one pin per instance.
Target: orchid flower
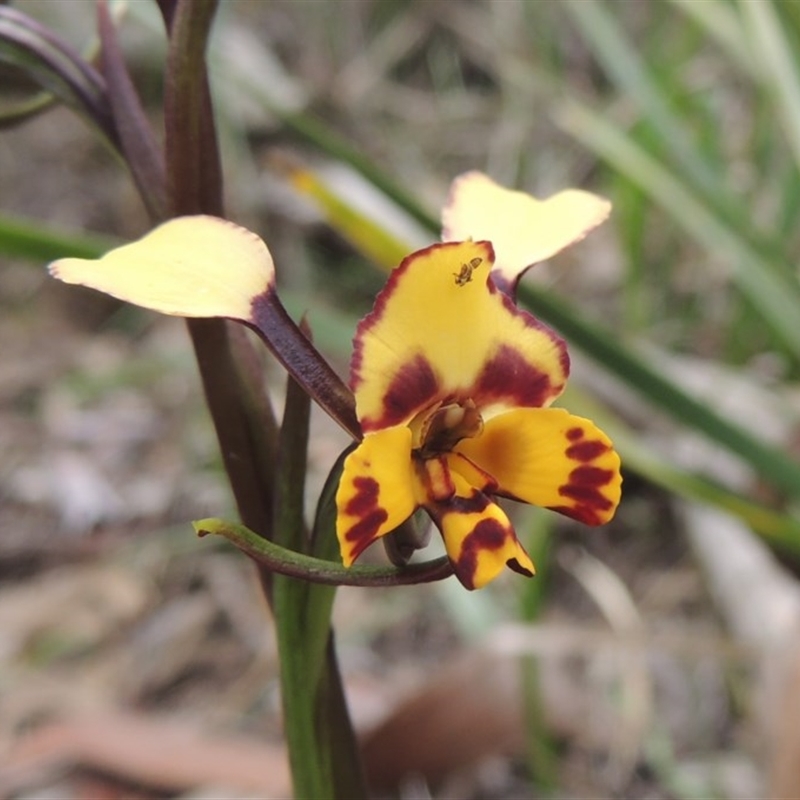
(453, 385)
(452, 382)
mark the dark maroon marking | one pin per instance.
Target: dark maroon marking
(582, 486)
(584, 514)
(488, 534)
(573, 434)
(507, 376)
(586, 495)
(476, 503)
(587, 450)
(364, 530)
(590, 476)
(364, 505)
(517, 567)
(365, 498)
(414, 386)
(531, 322)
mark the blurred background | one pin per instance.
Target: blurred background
(656, 657)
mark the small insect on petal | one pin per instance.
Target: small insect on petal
(464, 275)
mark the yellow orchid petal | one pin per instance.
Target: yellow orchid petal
(197, 266)
(472, 473)
(440, 330)
(550, 458)
(376, 491)
(433, 481)
(478, 536)
(522, 229)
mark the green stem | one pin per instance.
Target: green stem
(323, 751)
(313, 697)
(194, 174)
(317, 570)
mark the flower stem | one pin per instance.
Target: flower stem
(317, 570)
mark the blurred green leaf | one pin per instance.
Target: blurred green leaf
(779, 68)
(771, 289)
(719, 20)
(630, 72)
(36, 241)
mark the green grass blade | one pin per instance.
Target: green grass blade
(778, 65)
(620, 59)
(34, 241)
(719, 21)
(772, 291)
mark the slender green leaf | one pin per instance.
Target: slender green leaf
(720, 21)
(771, 290)
(632, 75)
(302, 616)
(35, 241)
(779, 67)
(289, 488)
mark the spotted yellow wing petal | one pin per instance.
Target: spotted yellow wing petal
(550, 458)
(198, 266)
(376, 491)
(440, 330)
(522, 229)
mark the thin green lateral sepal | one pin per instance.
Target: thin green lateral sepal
(317, 570)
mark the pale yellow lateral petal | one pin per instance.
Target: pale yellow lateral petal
(522, 229)
(376, 491)
(197, 266)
